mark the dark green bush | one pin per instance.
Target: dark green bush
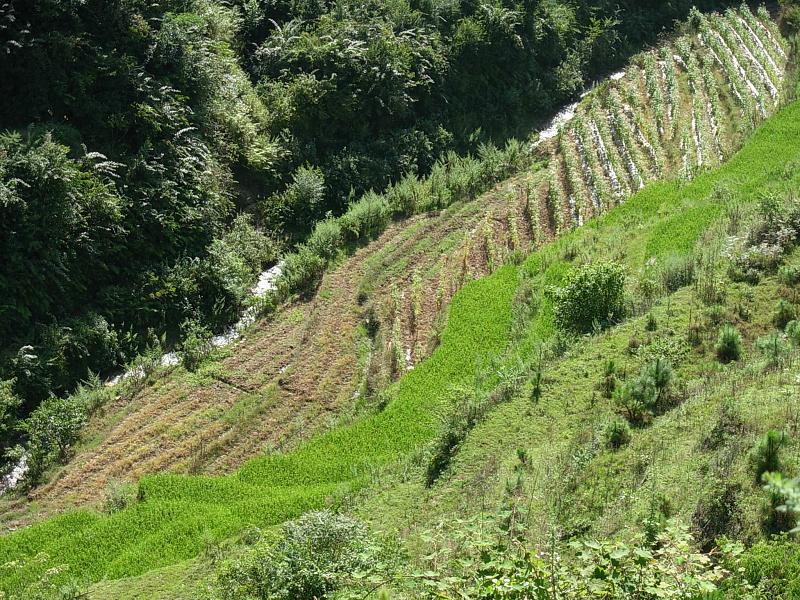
(196, 344)
(774, 347)
(766, 455)
(784, 312)
(617, 434)
(677, 272)
(729, 344)
(591, 298)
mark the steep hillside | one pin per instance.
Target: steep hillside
(544, 457)
(380, 312)
(346, 392)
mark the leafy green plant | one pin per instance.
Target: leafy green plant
(766, 455)
(316, 555)
(784, 313)
(774, 347)
(617, 434)
(729, 344)
(196, 345)
(591, 297)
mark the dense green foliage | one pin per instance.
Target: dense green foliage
(136, 131)
(591, 299)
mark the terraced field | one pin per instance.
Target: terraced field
(324, 366)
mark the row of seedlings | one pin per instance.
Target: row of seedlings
(646, 132)
(580, 189)
(753, 67)
(667, 64)
(624, 136)
(756, 46)
(700, 128)
(745, 91)
(608, 151)
(767, 25)
(600, 189)
(713, 109)
(654, 93)
(736, 85)
(557, 201)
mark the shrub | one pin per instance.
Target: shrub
(729, 344)
(51, 430)
(648, 393)
(789, 275)
(784, 312)
(326, 239)
(774, 347)
(238, 255)
(10, 404)
(652, 323)
(592, 297)
(301, 272)
(765, 456)
(196, 344)
(316, 555)
(617, 434)
(793, 332)
(677, 272)
(119, 495)
(366, 218)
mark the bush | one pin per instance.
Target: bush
(617, 434)
(593, 297)
(789, 275)
(784, 312)
(301, 272)
(51, 430)
(792, 332)
(774, 347)
(326, 239)
(196, 345)
(677, 272)
(765, 457)
(119, 495)
(315, 556)
(648, 393)
(729, 344)
(366, 218)
(9, 411)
